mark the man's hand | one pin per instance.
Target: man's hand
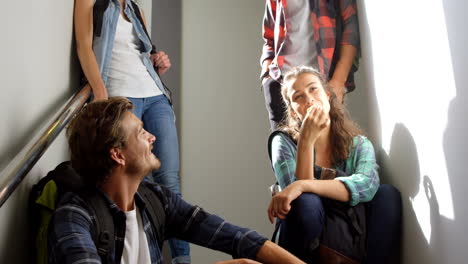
(280, 204)
(338, 88)
(265, 79)
(238, 261)
(265, 65)
(161, 61)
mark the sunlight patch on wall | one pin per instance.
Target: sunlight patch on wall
(414, 84)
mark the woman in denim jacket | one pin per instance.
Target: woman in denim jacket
(118, 59)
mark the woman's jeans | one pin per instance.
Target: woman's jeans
(158, 119)
(300, 231)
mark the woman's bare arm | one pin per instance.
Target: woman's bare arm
(280, 204)
(83, 22)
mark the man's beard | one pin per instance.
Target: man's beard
(142, 170)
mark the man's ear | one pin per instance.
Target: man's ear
(117, 155)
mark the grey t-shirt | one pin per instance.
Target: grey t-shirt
(298, 47)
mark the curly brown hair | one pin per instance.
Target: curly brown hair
(92, 133)
(342, 128)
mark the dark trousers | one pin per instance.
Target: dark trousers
(273, 102)
(300, 231)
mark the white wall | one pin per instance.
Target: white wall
(167, 36)
(411, 97)
(38, 73)
(223, 121)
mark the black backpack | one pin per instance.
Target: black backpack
(344, 234)
(46, 194)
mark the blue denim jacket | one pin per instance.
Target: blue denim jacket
(102, 45)
(73, 225)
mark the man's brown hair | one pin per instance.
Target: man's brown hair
(92, 133)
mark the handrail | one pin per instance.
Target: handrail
(23, 162)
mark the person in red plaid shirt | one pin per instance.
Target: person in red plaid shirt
(323, 34)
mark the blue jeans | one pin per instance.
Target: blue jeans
(300, 231)
(384, 225)
(158, 119)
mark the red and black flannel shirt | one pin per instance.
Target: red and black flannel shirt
(324, 15)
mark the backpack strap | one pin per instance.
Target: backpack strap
(153, 48)
(155, 208)
(98, 13)
(272, 135)
(140, 18)
(104, 237)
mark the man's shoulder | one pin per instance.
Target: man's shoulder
(72, 203)
(156, 188)
(163, 193)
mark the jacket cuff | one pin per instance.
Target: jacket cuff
(249, 244)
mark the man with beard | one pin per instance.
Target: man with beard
(111, 151)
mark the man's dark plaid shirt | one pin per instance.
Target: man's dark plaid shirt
(73, 224)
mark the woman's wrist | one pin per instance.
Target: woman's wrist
(301, 185)
(306, 140)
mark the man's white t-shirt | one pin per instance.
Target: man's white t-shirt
(136, 248)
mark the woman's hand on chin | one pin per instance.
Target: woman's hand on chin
(315, 122)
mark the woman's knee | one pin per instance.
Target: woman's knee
(388, 197)
(303, 225)
(386, 207)
(306, 209)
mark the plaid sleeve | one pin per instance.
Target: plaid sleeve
(283, 160)
(69, 238)
(364, 181)
(195, 225)
(350, 35)
(268, 51)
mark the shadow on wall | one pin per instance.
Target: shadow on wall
(401, 166)
(455, 140)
